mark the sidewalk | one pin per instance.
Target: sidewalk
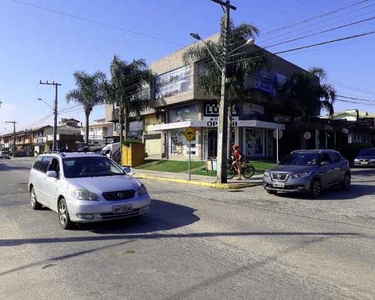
(199, 180)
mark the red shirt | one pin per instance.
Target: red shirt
(237, 155)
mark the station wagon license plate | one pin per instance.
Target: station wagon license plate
(120, 209)
(364, 163)
(279, 185)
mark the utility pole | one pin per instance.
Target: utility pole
(14, 134)
(56, 85)
(222, 134)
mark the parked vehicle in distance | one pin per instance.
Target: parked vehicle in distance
(4, 154)
(365, 158)
(112, 151)
(85, 187)
(308, 171)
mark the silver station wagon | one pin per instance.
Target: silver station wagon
(85, 187)
(308, 171)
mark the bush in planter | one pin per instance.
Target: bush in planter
(127, 143)
(351, 150)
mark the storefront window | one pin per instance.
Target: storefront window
(254, 142)
(180, 145)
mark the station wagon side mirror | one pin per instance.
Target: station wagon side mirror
(127, 170)
(324, 163)
(52, 174)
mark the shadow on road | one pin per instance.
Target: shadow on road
(7, 167)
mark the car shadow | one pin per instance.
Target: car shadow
(162, 216)
(335, 194)
(6, 167)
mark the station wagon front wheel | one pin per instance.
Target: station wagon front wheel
(33, 200)
(63, 214)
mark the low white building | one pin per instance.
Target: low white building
(98, 132)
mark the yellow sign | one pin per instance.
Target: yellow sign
(189, 133)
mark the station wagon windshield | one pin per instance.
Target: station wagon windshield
(367, 152)
(76, 167)
(301, 159)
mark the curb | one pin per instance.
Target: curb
(226, 186)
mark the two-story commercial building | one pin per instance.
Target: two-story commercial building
(175, 93)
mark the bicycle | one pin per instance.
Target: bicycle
(247, 169)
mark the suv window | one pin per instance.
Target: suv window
(335, 157)
(45, 163)
(325, 157)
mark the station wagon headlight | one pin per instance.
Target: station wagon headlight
(142, 190)
(373, 160)
(85, 195)
(266, 174)
(302, 175)
(356, 159)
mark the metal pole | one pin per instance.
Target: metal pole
(277, 145)
(56, 85)
(189, 161)
(222, 134)
(55, 120)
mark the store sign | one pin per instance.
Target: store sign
(366, 122)
(269, 81)
(172, 83)
(253, 112)
(212, 108)
(183, 113)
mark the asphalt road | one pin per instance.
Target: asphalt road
(196, 243)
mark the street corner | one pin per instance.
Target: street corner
(212, 184)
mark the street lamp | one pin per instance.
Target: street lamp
(1, 103)
(40, 99)
(54, 123)
(197, 37)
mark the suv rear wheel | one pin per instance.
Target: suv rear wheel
(315, 189)
(345, 185)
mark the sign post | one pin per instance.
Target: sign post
(189, 133)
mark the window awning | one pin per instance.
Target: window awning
(211, 123)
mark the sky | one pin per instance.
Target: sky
(38, 44)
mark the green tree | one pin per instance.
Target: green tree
(310, 92)
(88, 93)
(243, 62)
(126, 89)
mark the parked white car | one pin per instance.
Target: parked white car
(5, 154)
(85, 187)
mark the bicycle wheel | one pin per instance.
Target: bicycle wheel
(248, 171)
(231, 172)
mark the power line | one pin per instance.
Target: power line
(315, 17)
(307, 46)
(97, 22)
(323, 31)
(356, 98)
(285, 34)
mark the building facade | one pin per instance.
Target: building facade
(98, 132)
(180, 104)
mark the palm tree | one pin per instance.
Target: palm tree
(88, 94)
(128, 81)
(309, 93)
(241, 66)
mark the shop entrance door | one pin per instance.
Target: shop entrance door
(212, 143)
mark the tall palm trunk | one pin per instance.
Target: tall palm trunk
(87, 113)
(230, 128)
(121, 133)
(126, 123)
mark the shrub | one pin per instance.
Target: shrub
(127, 143)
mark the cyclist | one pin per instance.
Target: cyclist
(238, 160)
